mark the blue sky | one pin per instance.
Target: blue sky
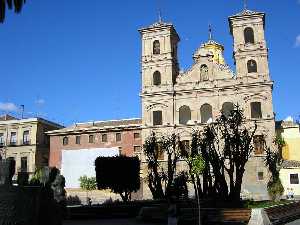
(80, 62)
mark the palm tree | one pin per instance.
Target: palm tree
(11, 4)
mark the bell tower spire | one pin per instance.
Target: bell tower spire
(159, 11)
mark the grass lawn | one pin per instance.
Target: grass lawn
(263, 204)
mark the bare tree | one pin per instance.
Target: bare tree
(16, 5)
(161, 174)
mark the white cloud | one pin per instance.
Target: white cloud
(297, 43)
(40, 101)
(8, 106)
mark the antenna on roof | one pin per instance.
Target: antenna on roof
(22, 111)
(209, 32)
(245, 4)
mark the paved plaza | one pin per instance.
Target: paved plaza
(108, 222)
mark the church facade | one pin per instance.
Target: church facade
(178, 102)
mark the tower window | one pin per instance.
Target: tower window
(227, 108)
(252, 66)
(249, 35)
(203, 72)
(256, 110)
(65, 141)
(157, 118)
(184, 114)
(156, 47)
(206, 113)
(156, 78)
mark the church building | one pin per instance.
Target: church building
(178, 102)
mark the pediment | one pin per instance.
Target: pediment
(196, 73)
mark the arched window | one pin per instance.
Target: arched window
(206, 113)
(227, 108)
(156, 47)
(184, 114)
(203, 72)
(156, 78)
(65, 141)
(256, 110)
(252, 66)
(249, 35)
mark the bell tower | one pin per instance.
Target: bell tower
(159, 55)
(250, 50)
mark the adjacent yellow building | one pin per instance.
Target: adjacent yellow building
(289, 132)
(25, 141)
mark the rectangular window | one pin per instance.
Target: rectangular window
(91, 138)
(65, 141)
(1, 139)
(159, 152)
(137, 148)
(294, 179)
(13, 138)
(259, 144)
(26, 138)
(118, 137)
(120, 150)
(260, 175)
(186, 145)
(157, 118)
(23, 164)
(136, 135)
(78, 140)
(256, 110)
(104, 137)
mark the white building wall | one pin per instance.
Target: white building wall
(77, 163)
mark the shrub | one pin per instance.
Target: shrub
(275, 189)
(88, 183)
(121, 174)
(73, 200)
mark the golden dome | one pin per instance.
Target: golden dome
(216, 49)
